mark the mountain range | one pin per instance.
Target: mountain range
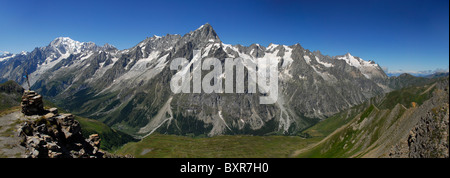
(130, 89)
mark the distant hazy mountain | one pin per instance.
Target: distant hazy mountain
(437, 75)
(130, 89)
(424, 73)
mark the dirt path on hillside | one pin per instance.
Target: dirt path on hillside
(428, 89)
(9, 140)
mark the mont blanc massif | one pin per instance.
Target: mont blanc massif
(347, 102)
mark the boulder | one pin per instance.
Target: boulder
(94, 139)
(53, 110)
(49, 115)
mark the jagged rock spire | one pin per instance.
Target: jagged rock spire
(205, 33)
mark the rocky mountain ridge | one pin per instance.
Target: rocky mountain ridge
(410, 123)
(429, 138)
(129, 89)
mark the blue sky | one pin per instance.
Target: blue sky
(408, 35)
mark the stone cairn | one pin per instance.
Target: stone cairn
(32, 104)
(52, 135)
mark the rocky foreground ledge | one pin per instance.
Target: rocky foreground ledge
(48, 134)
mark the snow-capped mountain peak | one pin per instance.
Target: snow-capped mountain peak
(368, 68)
(356, 61)
(351, 60)
(6, 55)
(66, 45)
(64, 41)
(68, 69)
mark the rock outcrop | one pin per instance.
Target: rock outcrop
(58, 136)
(429, 138)
(48, 134)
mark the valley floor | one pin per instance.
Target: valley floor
(411, 122)
(226, 146)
